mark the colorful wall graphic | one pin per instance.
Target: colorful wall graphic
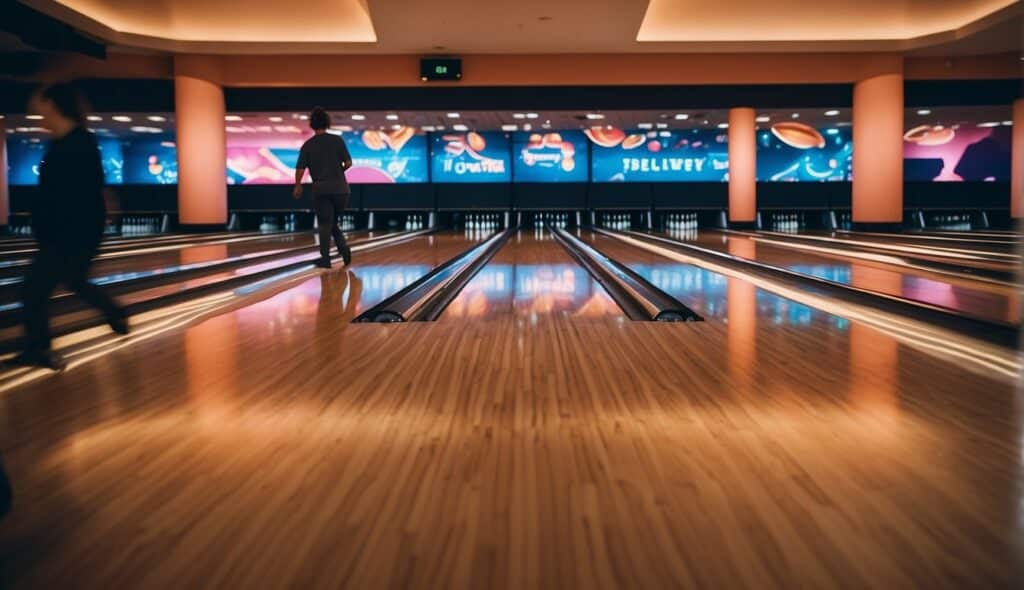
(552, 156)
(658, 156)
(470, 157)
(960, 152)
(794, 152)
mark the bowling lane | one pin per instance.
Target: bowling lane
(994, 248)
(979, 299)
(532, 277)
(715, 296)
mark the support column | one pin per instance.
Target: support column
(878, 150)
(202, 158)
(1017, 159)
(5, 194)
(742, 167)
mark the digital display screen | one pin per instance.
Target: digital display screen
(440, 68)
(695, 155)
(378, 157)
(560, 156)
(957, 152)
(130, 161)
(470, 157)
(794, 152)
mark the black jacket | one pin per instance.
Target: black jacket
(69, 211)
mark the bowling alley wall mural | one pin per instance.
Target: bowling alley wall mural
(955, 146)
(470, 157)
(692, 155)
(129, 161)
(551, 156)
(790, 151)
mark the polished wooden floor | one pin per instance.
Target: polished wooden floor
(277, 445)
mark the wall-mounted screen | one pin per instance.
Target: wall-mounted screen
(267, 155)
(695, 155)
(957, 145)
(141, 159)
(795, 152)
(553, 156)
(470, 157)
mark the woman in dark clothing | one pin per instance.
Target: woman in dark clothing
(68, 217)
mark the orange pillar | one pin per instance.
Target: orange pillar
(5, 195)
(878, 149)
(1017, 171)
(742, 166)
(202, 158)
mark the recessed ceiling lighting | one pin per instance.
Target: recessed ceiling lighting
(662, 125)
(665, 133)
(396, 127)
(391, 117)
(94, 118)
(453, 115)
(705, 122)
(341, 127)
(527, 127)
(275, 119)
(141, 129)
(518, 115)
(510, 127)
(460, 127)
(156, 118)
(428, 128)
(763, 119)
(546, 125)
(923, 112)
(796, 115)
(723, 125)
(644, 126)
(682, 116)
(532, 115)
(1007, 123)
(989, 124)
(234, 129)
(34, 117)
(595, 116)
(831, 113)
(122, 118)
(358, 117)
(304, 117)
(232, 118)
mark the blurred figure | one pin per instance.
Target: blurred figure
(68, 217)
(5, 491)
(327, 159)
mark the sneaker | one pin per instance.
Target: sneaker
(323, 263)
(47, 360)
(346, 255)
(119, 323)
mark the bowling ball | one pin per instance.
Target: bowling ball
(476, 141)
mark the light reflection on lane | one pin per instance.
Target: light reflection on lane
(532, 290)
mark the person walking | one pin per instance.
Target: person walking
(326, 158)
(68, 217)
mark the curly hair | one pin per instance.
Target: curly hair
(319, 119)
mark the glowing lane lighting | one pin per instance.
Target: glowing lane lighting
(914, 334)
(947, 252)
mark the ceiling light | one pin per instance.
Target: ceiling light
(453, 115)
(546, 125)
(924, 112)
(662, 125)
(141, 129)
(763, 119)
(156, 118)
(122, 118)
(233, 129)
(510, 127)
(391, 117)
(1007, 123)
(341, 127)
(94, 118)
(427, 128)
(595, 116)
(682, 116)
(396, 127)
(644, 126)
(460, 127)
(232, 118)
(518, 115)
(527, 127)
(796, 115)
(831, 113)
(532, 115)
(358, 117)
(275, 119)
(989, 124)
(34, 117)
(723, 125)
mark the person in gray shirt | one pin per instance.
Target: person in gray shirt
(326, 158)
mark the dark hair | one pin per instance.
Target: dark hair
(319, 119)
(68, 100)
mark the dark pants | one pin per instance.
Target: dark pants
(53, 266)
(328, 207)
